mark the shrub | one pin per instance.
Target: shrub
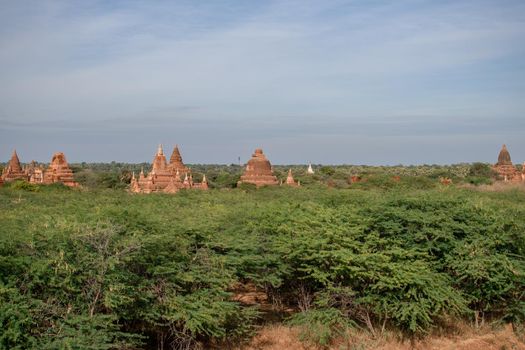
(24, 186)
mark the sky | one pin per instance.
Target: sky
(327, 82)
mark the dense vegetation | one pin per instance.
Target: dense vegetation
(103, 269)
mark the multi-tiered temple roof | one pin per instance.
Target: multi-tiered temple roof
(259, 171)
(164, 177)
(59, 171)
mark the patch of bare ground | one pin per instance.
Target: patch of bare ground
(449, 335)
(277, 337)
(496, 187)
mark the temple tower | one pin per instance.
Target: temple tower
(504, 167)
(14, 171)
(176, 163)
(259, 171)
(59, 171)
(159, 161)
(164, 177)
(290, 180)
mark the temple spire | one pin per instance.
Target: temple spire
(504, 166)
(290, 180)
(13, 170)
(14, 163)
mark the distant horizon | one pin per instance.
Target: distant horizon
(243, 161)
(331, 82)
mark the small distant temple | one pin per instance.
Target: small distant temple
(310, 170)
(166, 178)
(259, 171)
(504, 167)
(290, 180)
(57, 172)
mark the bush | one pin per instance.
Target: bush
(117, 269)
(24, 186)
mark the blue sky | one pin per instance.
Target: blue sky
(355, 82)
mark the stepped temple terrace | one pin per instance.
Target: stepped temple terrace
(57, 172)
(505, 169)
(166, 178)
(259, 171)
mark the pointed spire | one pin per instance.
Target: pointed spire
(206, 181)
(289, 179)
(159, 150)
(14, 162)
(504, 156)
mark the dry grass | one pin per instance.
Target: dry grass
(497, 187)
(277, 337)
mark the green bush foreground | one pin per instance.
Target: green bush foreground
(109, 270)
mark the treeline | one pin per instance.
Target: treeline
(117, 175)
(110, 270)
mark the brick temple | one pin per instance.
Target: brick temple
(259, 171)
(13, 170)
(505, 169)
(166, 178)
(57, 172)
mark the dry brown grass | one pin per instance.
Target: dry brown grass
(277, 337)
(497, 187)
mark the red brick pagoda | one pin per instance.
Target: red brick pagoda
(504, 167)
(166, 178)
(259, 171)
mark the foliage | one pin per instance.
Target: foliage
(23, 186)
(105, 269)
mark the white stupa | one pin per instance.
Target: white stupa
(310, 170)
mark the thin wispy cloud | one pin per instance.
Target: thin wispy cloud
(223, 73)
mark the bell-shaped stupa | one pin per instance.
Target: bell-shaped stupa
(259, 171)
